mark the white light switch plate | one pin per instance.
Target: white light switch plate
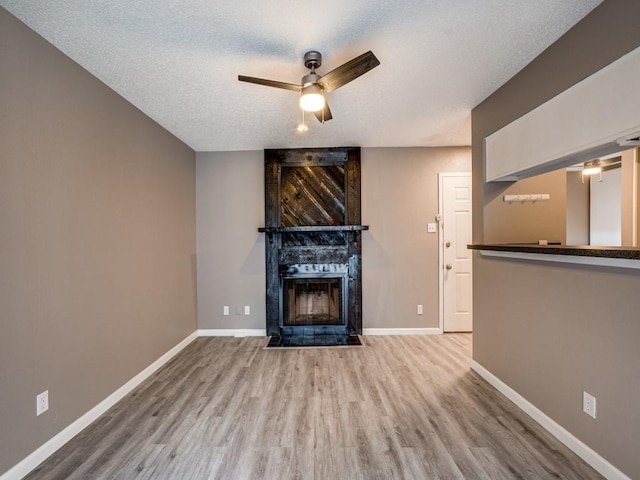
(432, 227)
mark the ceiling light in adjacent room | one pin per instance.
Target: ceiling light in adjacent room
(592, 168)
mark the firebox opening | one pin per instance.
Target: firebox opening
(312, 301)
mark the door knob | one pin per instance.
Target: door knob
(448, 266)
(448, 244)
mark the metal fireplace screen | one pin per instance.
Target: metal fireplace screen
(312, 301)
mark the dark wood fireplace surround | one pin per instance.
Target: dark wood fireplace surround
(313, 230)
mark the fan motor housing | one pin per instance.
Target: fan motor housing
(310, 79)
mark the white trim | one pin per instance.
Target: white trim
(229, 332)
(441, 177)
(580, 260)
(634, 198)
(256, 332)
(39, 455)
(401, 331)
(567, 438)
(440, 253)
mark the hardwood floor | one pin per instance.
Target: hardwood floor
(399, 408)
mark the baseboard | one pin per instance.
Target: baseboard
(21, 469)
(401, 331)
(256, 332)
(230, 332)
(585, 452)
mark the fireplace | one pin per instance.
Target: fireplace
(312, 301)
(313, 296)
(313, 247)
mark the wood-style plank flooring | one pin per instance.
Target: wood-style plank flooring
(399, 408)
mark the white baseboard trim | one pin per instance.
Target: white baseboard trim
(38, 456)
(230, 332)
(585, 452)
(257, 332)
(401, 331)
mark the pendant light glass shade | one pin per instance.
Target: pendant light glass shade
(312, 99)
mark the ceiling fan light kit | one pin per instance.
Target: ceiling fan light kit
(313, 87)
(312, 98)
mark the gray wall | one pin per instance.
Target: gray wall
(552, 331)
(230, 209)
(97, 240)
(534, 327)
(400, 260)
(399, 257)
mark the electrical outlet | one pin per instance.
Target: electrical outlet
(589, 404)
(42, 403)
(247, 310)
(225, 310)
(419, 310)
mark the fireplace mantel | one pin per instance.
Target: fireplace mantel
(315, 228)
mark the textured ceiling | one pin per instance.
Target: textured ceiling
(178, 61)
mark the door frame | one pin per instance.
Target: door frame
(441, 176)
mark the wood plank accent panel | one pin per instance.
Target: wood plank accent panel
(312, 195)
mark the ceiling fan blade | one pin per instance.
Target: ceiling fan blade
(349, 71)
(324, 115)
(270, 83)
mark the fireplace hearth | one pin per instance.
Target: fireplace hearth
(313, 247)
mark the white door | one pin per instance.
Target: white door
(605, 207)
(455, 258)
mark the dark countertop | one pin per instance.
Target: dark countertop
(626, 253)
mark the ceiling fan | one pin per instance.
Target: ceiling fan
(313, 86)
